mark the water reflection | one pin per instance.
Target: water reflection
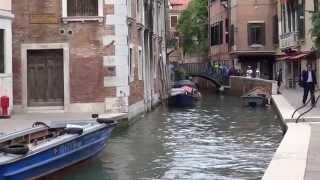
(216, 139)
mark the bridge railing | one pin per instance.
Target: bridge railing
(206, 69)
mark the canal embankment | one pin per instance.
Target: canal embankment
(297, 156)
(21, 121)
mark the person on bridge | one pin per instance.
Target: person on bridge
(309, 81)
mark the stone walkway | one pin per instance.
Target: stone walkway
(313, 162)
(294, 97)
(298, 156)
(25, 120)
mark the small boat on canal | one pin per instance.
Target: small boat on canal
(256, 97)
(184, 94)
(43, 149)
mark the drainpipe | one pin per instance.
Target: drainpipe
(209, 30)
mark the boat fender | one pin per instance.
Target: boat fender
(105, 121)
(19, 149)
(95, 116)
(73, 130)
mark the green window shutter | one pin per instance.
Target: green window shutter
(249, 34)
(263, 33)
(301, 21)
(232, 35)
(221, 32)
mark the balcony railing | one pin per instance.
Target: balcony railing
(288, 40)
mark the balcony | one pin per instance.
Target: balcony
(288, 40)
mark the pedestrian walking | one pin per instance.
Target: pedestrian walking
(309, 82)
(249, 72)
(279, 80)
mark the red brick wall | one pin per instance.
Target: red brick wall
(260, 10)
(85, 43)
(219, 53)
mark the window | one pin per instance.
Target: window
(173, 21)
(140, 70)
(82, 10)
(284, 19)
(138, 6)
(256, 33)
(275, 30)
(231, 35)
(301, 19)
(82, 7)
(217, 34)
(316, 5)
(227, 30)
(2, 51)
(131, 65)
(289, 17)
(130, 61)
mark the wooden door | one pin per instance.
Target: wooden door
(45, 78)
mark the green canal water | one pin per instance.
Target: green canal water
(218, 139)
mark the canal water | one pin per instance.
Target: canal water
(218, 139)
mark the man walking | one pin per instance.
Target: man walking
(309, 81)
(279, 80)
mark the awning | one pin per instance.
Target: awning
(292, 57)
(298, 56)
(282, 58)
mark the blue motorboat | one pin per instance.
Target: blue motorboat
(43, 149)
(184, 94)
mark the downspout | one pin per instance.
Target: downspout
(209, 31)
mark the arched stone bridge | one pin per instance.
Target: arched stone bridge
(204, 71)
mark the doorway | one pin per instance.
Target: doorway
(45, 79)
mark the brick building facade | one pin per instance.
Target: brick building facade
(82, 56)
(219, 22)
(244, 33)
(6, 17)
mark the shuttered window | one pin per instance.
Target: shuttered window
(231, 35)
(173, 21)
(1, 51)
(275, 30)
(227, 30)
(82, 7)
(217, 34)
(256, 33)
(301, 19)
